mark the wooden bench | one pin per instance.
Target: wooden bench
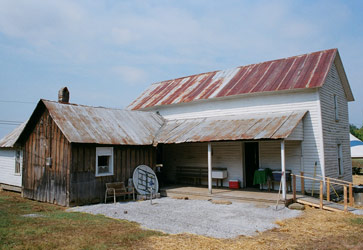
(196, 174)
(192, 173)
(116, 189)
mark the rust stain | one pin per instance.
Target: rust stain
(304, 71)
(237, 127)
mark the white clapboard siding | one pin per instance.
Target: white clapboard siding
(270, 156)
(264, 103)
(335, 132)
(225, 155)
(7, 168)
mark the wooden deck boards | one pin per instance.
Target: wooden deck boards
(328, 205)
(223, 193)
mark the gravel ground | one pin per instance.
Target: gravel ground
(195, 216)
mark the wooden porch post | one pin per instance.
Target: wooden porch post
(209, 168)
(283, 169)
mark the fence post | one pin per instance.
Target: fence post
(328, 189)
(351, 199)
(321, 194)
(345, 199)
(294, 187)
(302, 183)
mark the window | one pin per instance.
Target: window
(104, 161)
(340, 160)
(336, 108)
(17, 162)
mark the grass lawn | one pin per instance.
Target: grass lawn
(59, 229)
(315, 229)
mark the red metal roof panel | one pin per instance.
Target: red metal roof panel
(299, 72)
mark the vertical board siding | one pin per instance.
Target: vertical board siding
(85, 187)
(41, 182)
(7, 167)
(311, 128)
(335, 132)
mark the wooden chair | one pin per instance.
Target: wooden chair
(116, 189)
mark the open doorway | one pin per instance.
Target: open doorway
(251, 162)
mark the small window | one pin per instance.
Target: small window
(340, 160)
(104, 161)
(336, 108)
(17, 162)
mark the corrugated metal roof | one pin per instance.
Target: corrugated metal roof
(84, 124)
(298, 72)
(9, 140)
(237, 127)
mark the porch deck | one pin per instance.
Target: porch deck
(246, 195)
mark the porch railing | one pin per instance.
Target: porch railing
(346, 185)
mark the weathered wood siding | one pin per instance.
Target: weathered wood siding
(7, 167)
(335, 132)
(85, 187)
(41, 182)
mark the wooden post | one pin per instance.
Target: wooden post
(302, 183)
(345, 199)
(351, 199)
(321, 194)
(209, 168)
(283, 169)
(294, 187)
(328, 189)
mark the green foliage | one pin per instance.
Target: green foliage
(357, 132)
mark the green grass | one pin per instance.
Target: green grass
(59, 229)
(357, 221)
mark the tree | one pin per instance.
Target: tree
(357, 132)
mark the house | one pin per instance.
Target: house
(356, 150)
(71, 151)
(286, 114)
(11, 161)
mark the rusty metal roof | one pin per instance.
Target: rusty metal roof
(298, 72)
(85, 124)
(10, 139)
(237, 127)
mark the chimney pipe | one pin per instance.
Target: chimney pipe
(63, 95)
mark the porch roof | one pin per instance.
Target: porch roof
(233, 127)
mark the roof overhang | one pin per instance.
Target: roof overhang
(237, 127)
(343, 77)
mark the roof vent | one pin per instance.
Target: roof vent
(63, 95)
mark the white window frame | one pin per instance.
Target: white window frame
(18, 161)
(104, 151)
(340, 160)
(336, 111)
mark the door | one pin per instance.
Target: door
(251, 162)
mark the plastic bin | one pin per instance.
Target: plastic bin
(234, 184)
(277, 175)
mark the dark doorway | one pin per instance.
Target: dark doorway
(251, 162)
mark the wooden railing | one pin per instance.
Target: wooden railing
(329, 181)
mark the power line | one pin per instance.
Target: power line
(10, 121)
(11, 101)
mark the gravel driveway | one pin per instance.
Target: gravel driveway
(195, 216)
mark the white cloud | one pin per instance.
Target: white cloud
(130, 75)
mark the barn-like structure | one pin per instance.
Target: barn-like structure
(71, 151)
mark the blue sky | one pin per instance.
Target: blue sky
(108, 52)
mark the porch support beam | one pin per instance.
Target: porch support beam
(283, 169)
(209, 167)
